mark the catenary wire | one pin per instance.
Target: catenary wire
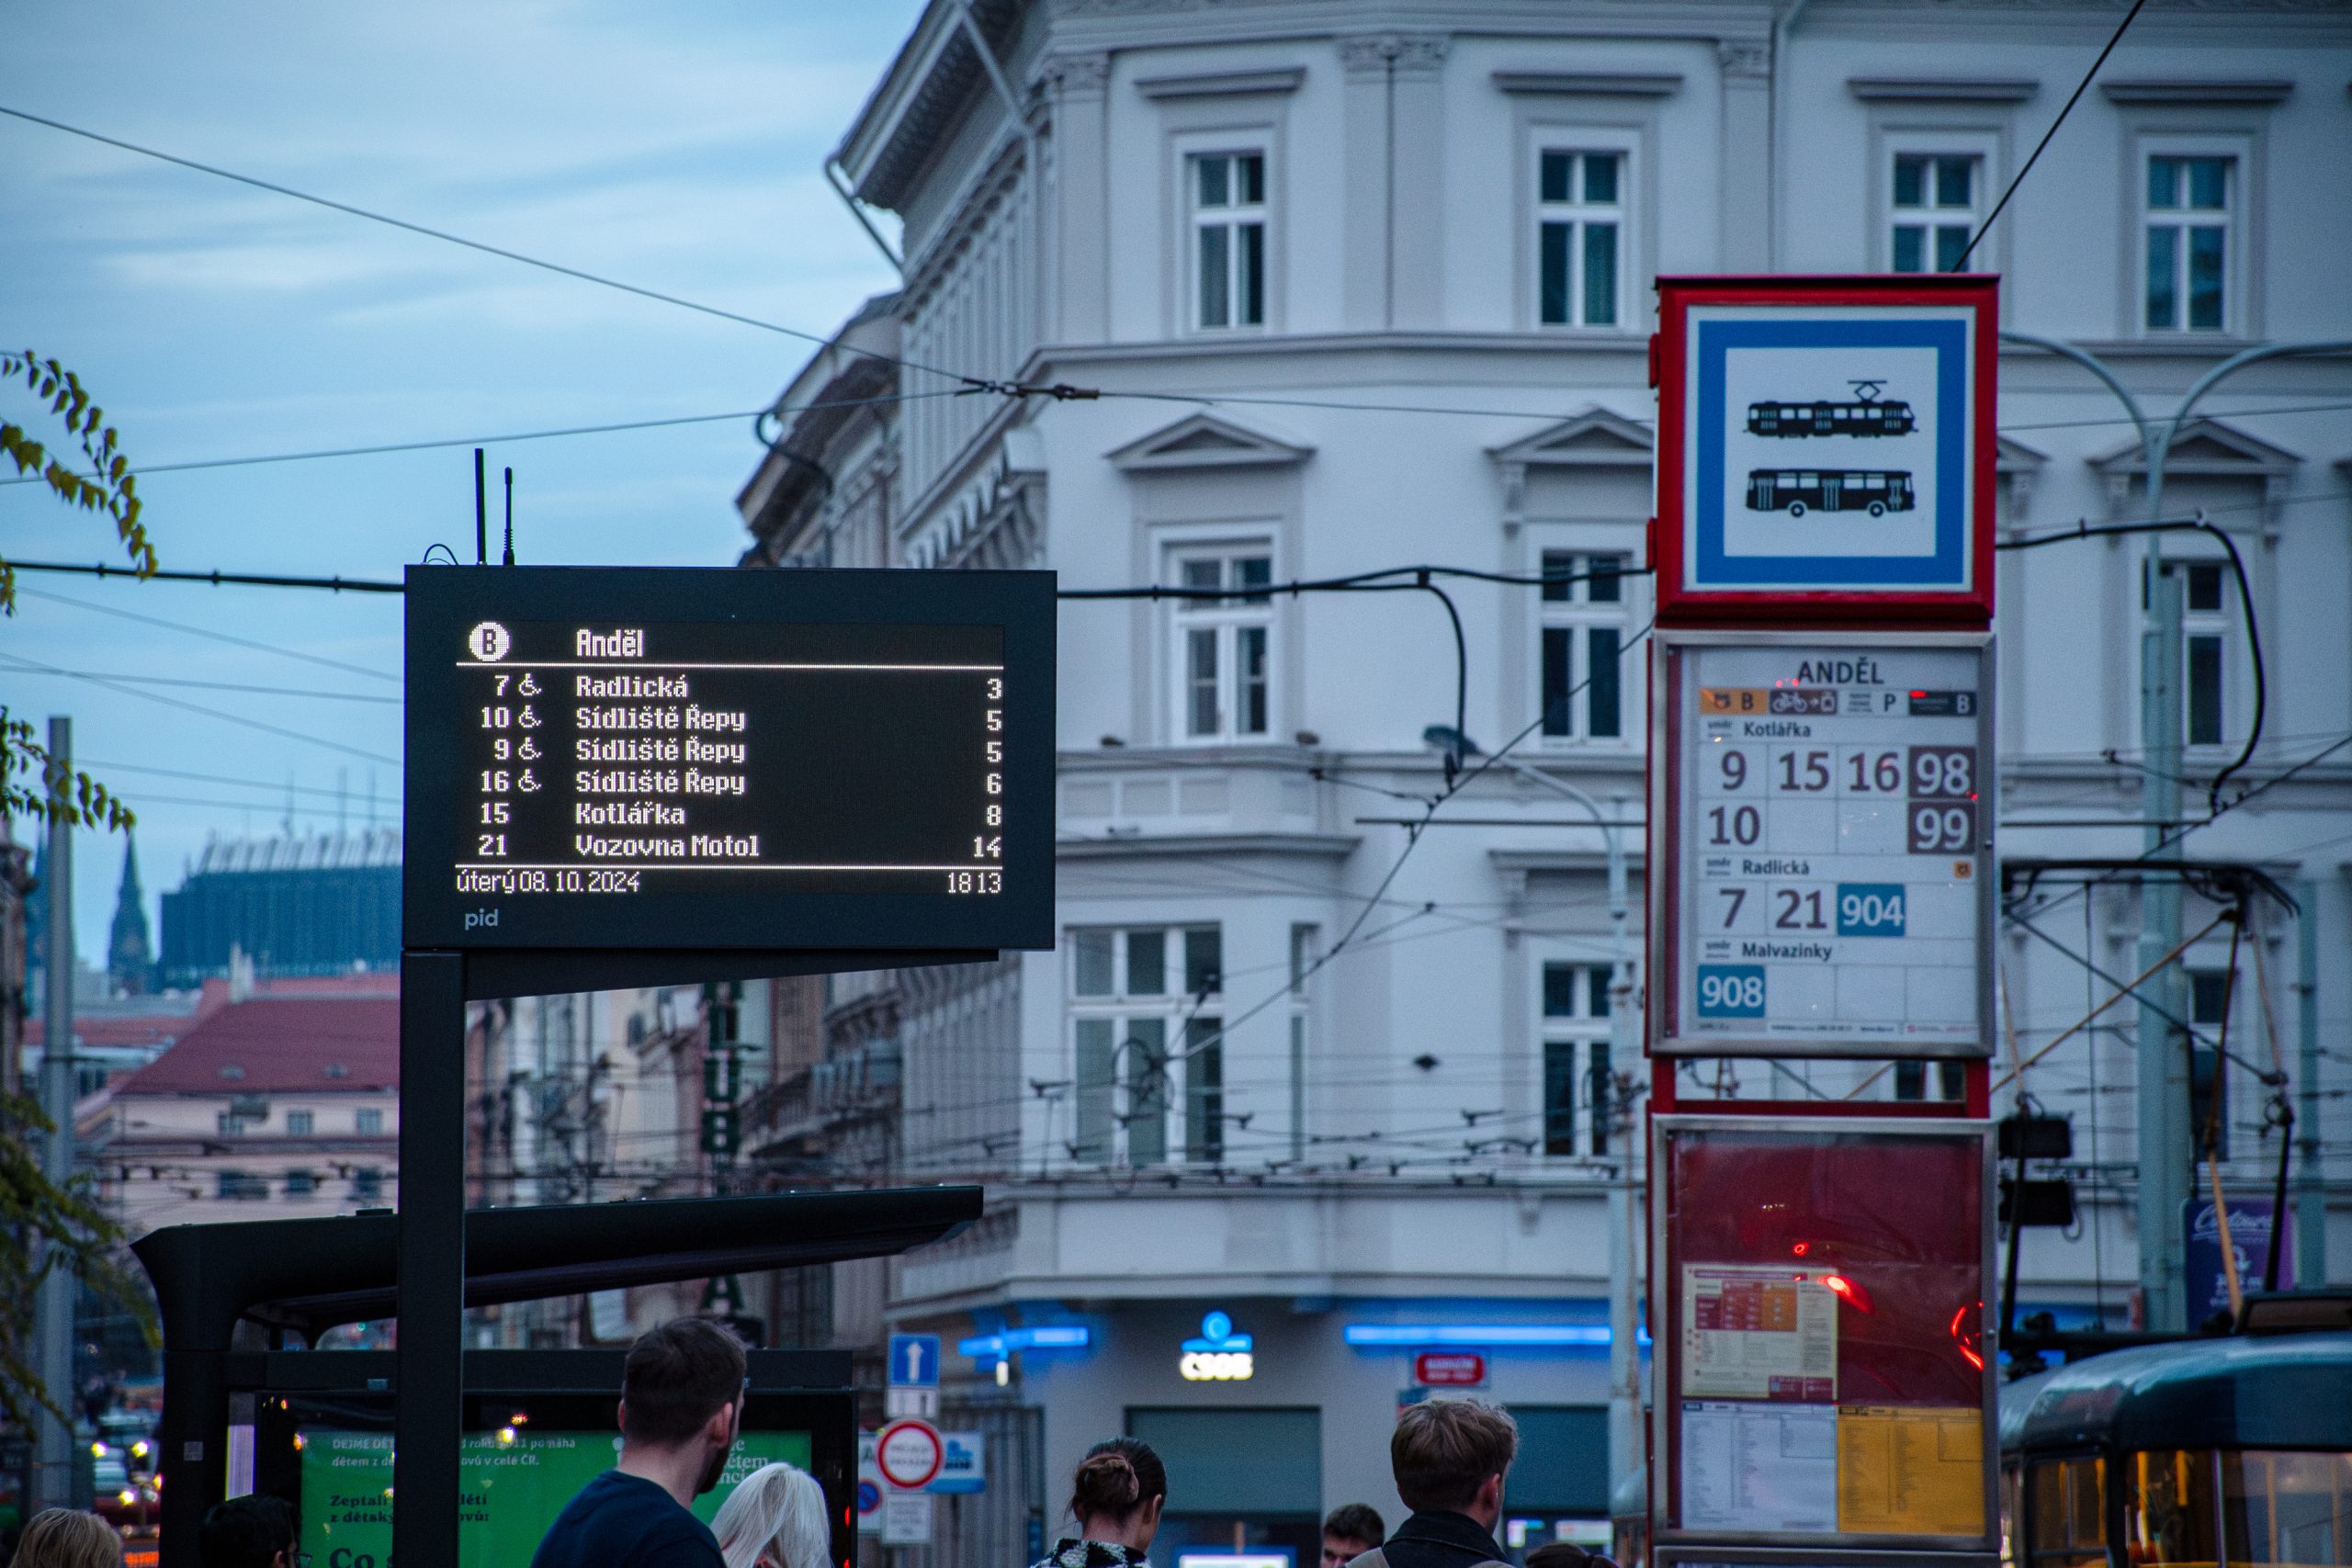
(1960, 263)
(209, 632)
(558, 267)
(217, 713)
(206, 685)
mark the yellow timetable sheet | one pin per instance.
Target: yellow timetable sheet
(1910, 1471)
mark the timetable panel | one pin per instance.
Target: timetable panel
(1832, 844)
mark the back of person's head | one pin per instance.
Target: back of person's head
(676, 1378)
(1443, 1449)
(67, 1538)
(1115, 1478)
(779, 1509)
(246, 1532)
(1355, 1521)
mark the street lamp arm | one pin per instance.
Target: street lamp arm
(2090, 362)
(2237, 362)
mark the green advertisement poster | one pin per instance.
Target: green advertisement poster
(516, 1481)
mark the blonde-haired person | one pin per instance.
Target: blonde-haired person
(65, 1538)
(775, 1519)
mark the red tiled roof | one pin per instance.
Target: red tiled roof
(150, 1030)
(280, 1045)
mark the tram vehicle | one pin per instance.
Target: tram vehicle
(1860, 417)
(1798, 490)
(2229, 1453)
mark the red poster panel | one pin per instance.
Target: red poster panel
(1825, 450)
(1817, 1300)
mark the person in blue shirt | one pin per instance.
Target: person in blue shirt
(681, 1404)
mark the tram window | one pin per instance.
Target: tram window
(2069, 1514)
(2286, 1507)
(2171, 1512)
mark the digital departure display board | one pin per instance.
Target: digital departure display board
(606, 758)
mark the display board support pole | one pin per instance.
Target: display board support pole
(428, 1371)
(2166, 1147)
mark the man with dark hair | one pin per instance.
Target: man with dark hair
(1352, 1529)
(1450, 1457)
(681, 1404)
(253, 1531)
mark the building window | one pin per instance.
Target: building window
(1911, 1080)
(301, 1183)
(1303, 948)
(2206, 631)
(1580, 224)
(1146, 1034)
(368, 1122)
(240, 1184)
(1582, 636)
(1934, 211)
(1229, 239)
(1223, 644)
(2209, 1104)
(2190, 207)
(1577, 1082)
(367, 1184)
(299, 1123)
(234, 1126)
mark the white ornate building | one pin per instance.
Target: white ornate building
(1365, 285)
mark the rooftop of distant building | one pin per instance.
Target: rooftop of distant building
(369, 848)
(280, 1043)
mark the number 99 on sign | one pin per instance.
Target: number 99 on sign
(1731, 991)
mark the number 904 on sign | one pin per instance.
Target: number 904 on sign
(1731, 991)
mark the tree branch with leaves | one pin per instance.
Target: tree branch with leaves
(109, 486)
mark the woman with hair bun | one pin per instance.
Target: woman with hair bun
(1116, 1498)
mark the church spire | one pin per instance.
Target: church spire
(130, 961)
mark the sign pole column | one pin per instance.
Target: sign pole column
(432, 1257)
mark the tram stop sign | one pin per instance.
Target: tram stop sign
(1825, 444)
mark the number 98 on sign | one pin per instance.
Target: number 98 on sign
(1827, 843)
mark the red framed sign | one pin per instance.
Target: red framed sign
(1825, 450)
(1819, 1308)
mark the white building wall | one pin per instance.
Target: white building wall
(1401, 249)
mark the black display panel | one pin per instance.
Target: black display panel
(683, 757)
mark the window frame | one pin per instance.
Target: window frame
(1190, 1126)
(1227, 621)
(1577, 213)
(1578, 617)
(1232, 217)
(2240, 145)
(1936, 135)
(1933, 216)
(1585, 1033)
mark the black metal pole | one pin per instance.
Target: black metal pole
(2277, 1205)
(194, 1457)
(432, 1257)
(481, 514)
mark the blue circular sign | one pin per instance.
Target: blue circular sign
(1216, 1325)
(869, 1496)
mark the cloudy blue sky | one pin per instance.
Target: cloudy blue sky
(677, 147)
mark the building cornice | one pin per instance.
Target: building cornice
(1314, 846)
(1943, 89)
(1591, 83)
(1222, 83)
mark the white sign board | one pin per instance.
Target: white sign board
(907, 1518)
(1830, 830)
(1828, 446)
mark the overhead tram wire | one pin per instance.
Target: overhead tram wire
(206, 631)
(395, 447)
(1960, 263)
(972, 382)
(185, 706)
(204, 685)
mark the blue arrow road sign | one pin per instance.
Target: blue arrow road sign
(914, 1360)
